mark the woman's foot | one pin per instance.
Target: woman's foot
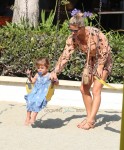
(80, 125)
(88, 125)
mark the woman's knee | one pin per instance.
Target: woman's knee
(96, 91)
(84, 90)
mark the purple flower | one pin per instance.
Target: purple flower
(87, 14)
(75, 11)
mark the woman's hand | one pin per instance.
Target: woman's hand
(100, 70)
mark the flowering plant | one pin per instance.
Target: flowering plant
(75, 11)
(88, 16)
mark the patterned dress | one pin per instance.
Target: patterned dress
(99, 47)
(36, 100)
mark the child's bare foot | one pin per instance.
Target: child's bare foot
(27, 122)
(32, 122)
(33, 117)
(80, 125)
(28, 117)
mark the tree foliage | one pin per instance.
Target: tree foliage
(20, 46)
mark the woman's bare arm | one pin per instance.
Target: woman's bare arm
(65, 56)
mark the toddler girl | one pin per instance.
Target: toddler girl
(36, 100)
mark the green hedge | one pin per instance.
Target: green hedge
(20, 47)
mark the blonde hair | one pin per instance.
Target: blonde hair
(42, 62)
(77, 19)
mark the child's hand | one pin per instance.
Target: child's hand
(28, 72)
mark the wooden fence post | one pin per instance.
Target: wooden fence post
(122, 124)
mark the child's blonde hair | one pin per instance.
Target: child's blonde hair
(77, 20)
(42, 62)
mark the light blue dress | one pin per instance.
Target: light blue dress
(36, 100)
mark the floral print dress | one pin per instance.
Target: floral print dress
(100, 51)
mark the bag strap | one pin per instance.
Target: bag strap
(88, 49)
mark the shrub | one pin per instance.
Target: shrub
(20, 47)
(117, 43)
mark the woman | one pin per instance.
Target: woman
(99, 63)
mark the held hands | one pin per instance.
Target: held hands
(55, 82)
(54, 78)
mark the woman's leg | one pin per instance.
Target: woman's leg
(28, 117)
(96, 91)
(87, 98)
(33, 117)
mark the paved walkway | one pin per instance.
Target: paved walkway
(55, 129)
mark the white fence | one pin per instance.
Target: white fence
(66, 94)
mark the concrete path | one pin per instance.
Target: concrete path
(55, 129)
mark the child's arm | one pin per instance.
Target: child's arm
(31, 79)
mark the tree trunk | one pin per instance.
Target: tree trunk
(26, 11)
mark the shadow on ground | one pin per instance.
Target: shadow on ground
(55, 123)
(107, 120)
(104, 119)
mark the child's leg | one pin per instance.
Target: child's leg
(28, 117)
(33, 117)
